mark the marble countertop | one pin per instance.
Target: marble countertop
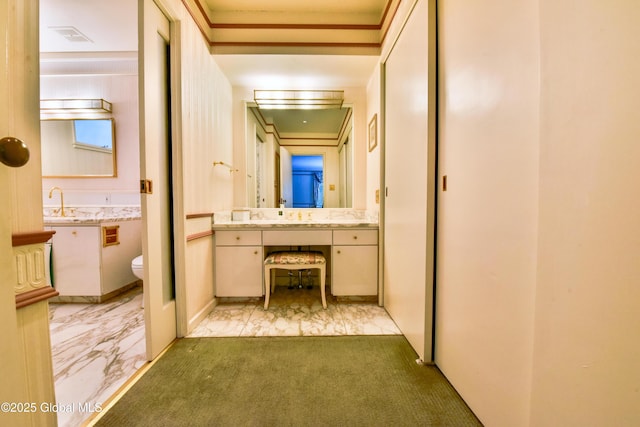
(82, 220)
(91, 215)
(270, 224)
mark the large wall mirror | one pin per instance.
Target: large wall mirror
(74, 148)
(291, 149)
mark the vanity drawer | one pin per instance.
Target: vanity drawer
(355, 237)
(238, 238)
(297, 237)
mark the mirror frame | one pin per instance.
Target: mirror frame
(264, 128)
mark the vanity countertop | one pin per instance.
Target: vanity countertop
(83, 220)
(271, 224)
(91, 215)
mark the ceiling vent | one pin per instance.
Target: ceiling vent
(71, 34)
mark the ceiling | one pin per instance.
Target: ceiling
(280, 44)
(355, 27)
(292, 123)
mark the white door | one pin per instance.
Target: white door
(409, 179)
(24, 378)
(286, 177)
(155, 155)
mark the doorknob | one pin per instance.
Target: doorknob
(13, 152)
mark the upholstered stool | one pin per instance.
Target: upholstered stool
(293, 261)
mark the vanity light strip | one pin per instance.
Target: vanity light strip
(31, 238)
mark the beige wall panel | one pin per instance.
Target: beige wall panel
(586, 364)
(199, 273)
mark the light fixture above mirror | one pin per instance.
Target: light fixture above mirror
(74, 106)
(298, 99)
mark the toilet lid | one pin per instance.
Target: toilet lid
(137, 262)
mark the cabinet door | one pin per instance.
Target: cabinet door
(116, 260)
(355, 270)
(76, 261)
(238, 271)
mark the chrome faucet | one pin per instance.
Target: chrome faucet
(61, 199)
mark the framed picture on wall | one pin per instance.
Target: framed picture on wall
(373, 132)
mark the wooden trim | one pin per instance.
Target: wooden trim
(296, 44)
(31, 238)
(199, 215)
(211, 24)
(248, 26)
(37, 295)
(200, 235)
(382, 27)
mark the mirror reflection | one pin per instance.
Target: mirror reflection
(307, 181)
(299, 158)
(78, 148)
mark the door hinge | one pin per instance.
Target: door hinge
(146, 186)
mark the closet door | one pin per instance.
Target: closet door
(409, 179)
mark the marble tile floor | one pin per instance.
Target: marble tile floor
(96, 348)
(296, 312)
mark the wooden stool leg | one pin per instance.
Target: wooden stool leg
(267, 286)
(322, 291)
(272, 276)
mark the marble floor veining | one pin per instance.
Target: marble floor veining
(296, 312)
(95, 348)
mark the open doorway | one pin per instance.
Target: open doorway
(308, 181)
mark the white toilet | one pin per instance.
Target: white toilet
(137, 266)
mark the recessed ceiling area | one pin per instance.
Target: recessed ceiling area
(295, 122)
(354, 27)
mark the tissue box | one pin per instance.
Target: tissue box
(240, 215)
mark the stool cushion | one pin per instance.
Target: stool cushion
(295, 258)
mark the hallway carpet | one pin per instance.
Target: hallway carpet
(291, 381)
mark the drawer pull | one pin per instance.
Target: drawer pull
(355, 237)
(339, 251)
(237, 237)
(255, 252)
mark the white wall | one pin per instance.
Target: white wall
(121, 90)
(206, 136)
(587, 351)
(373, 157)
(206, 126)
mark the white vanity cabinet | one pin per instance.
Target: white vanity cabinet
(355, 262)
(84, 266)
(76, 260)
(352, 256)
(238, 263)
